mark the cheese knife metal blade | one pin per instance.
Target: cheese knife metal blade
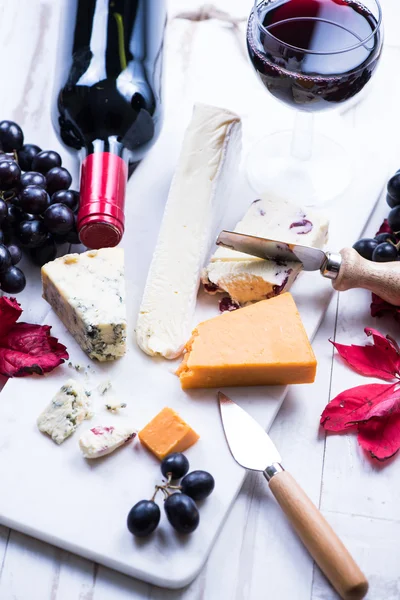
(253, 449)
(347, 269)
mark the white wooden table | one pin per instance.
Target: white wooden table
(257, 556)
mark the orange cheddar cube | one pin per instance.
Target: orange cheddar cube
(167, 433)
(262, 344)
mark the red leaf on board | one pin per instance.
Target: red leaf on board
(384, 228)
(359, 404)
(10, 311)
(26, 348)
(380, 359)
(380, 308)
(380, 436)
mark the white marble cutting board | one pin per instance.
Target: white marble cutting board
(54, 494)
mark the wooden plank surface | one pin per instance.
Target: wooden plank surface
(257, 556)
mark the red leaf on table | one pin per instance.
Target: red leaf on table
(380, 308)
(10, 311)
(380, 437)
(380, 359)
(360, 404)
(384, 228)
(30, 349)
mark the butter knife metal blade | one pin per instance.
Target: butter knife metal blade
(253, 449)
(347, 269)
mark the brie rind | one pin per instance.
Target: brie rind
(249, 279)
(196, 202)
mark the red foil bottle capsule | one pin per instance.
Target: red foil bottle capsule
(101, 219)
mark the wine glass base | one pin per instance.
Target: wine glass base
(314, 181)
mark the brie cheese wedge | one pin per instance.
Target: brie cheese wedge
(99, 441)
(250, 279)
(87, 292)
(197, 200)
(69, 407)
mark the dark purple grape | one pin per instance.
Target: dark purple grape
(33, 178)
(72, 237)
(182, 513)
(386, 237)
(29, 217)
(46, 160)
(34, 199)
(175, 464)
(365, 247)
(2, 237)
(10, 175)
(198, 485)
(7, 229)
(393, 219)
(44, 253)
(5, 258)
(391, 201)
(57, 179)
(393, 188)
(12, 281)
(143, 518)
(26, 156)
(32, 233)
(60, 239)
(11, 136)
(59, 219)
(15, 252)
(7, 157)
(3, 210)
(68, 197)
(384, 253)
(14, 214)
(14, 199)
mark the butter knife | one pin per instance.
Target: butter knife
(253, 449)
(347, 269)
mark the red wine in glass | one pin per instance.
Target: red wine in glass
(313, 54)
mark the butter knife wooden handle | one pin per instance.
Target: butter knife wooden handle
(319, 538)
(381, 278)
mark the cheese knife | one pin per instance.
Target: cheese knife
(347, 269)
(253, 449)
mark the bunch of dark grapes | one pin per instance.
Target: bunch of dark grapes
(37, 208)
(385, 247)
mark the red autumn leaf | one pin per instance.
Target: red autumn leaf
(26, 348)
(10, 311)
(384, 228)
(380, 308)
(380, 436)
(380, 359)
(360, 404)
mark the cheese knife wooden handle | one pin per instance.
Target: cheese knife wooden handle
(319, 538)
(383, 279)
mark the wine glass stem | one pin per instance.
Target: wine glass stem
(303, 136)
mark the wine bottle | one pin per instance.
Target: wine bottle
(108, 102)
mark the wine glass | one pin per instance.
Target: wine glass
(312, 55)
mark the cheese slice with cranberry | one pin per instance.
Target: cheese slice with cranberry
(249, 279)
(87, 292)
(102, 440)
(262, 344)
(198, 198)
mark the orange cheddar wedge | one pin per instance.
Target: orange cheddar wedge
(261, 344)
(167, 433)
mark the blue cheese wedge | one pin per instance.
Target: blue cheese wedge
(249, 279)
(102, 440)
(197, 201)
(69, 407)
(87, 292)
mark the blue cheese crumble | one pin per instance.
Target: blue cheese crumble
(87, 292)
(69, 407)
